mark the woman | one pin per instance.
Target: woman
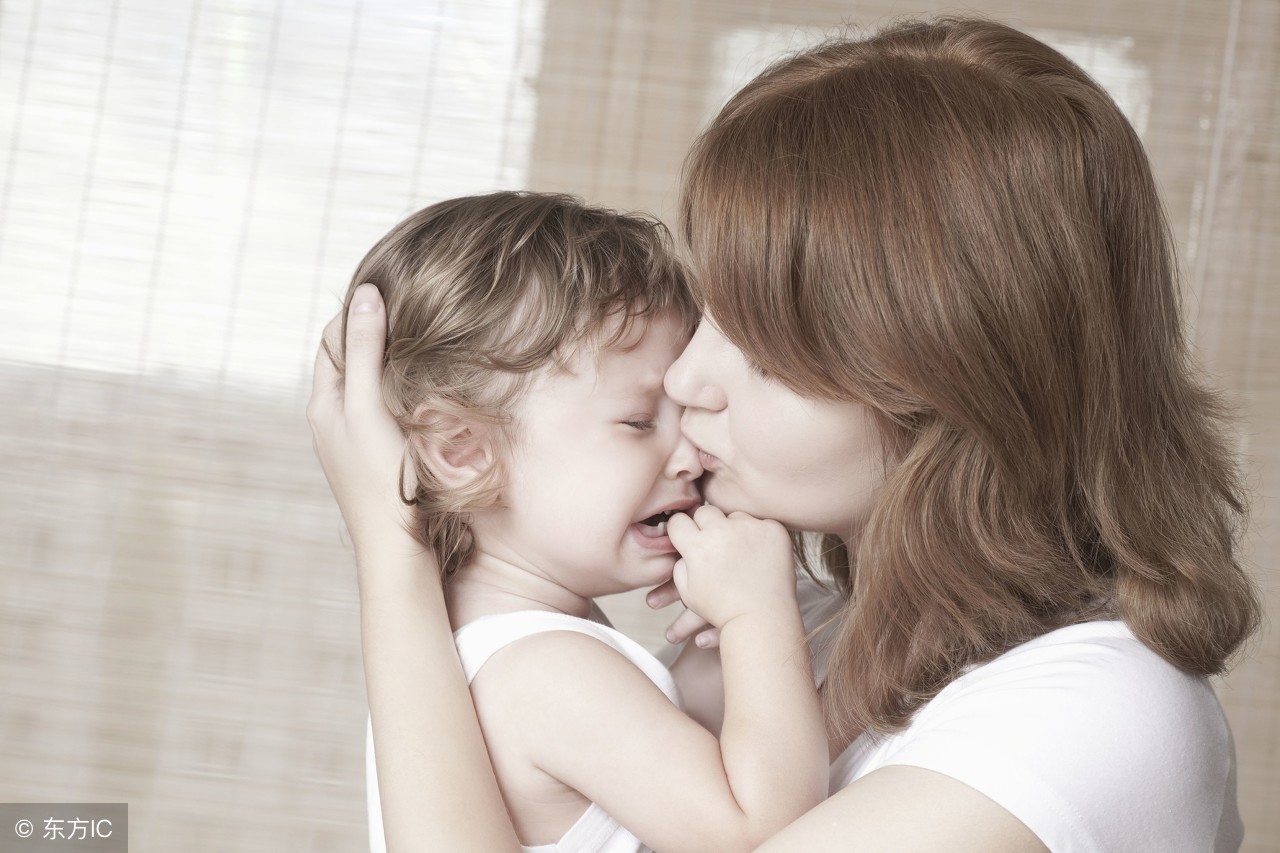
(941, 328)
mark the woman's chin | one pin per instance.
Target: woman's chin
(724, 497)
(728, 499)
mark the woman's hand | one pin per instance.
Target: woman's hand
(731, 565)
(423, 721)
(358, 442)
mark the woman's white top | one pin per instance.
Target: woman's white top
(1085, 735)
(595, 831)
(1088, 737)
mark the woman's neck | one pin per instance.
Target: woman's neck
(490, 585)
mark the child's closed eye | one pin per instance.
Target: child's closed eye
(644, 423)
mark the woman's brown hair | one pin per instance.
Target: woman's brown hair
(952, 224)
(480, 292)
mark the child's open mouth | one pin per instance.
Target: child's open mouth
(655, 526)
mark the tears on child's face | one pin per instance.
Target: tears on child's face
(599, 459)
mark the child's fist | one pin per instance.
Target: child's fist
(731, 565)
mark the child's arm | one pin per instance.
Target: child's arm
(589, 718)
(693, 659)
(700, 679)
(432, 763)
(738, 572)
(696, 669)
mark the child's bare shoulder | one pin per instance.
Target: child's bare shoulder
(557, 679)
(539, 666)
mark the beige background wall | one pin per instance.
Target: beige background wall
(187, 185)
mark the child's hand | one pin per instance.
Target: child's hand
(687, 624)
(358, 442)
(731, 565)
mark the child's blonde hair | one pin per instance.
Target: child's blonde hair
(481, 291)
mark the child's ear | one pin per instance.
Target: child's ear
(457, 451)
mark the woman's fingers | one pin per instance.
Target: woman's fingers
(358, 441)
(324, 377)
(366, 337)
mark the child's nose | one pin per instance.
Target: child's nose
(683, 464)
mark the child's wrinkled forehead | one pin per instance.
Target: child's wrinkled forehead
(618, 333)
(596, 350)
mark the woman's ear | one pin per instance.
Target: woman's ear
(455, 450)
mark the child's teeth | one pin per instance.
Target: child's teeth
(654, 531)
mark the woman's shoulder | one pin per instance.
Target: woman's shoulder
(1065, 730)
(1102, 662)
(1088, 652)
(1089, 684)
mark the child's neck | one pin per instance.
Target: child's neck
(489, 585)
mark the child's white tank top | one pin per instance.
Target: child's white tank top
(595, 831)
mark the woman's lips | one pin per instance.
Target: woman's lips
(709, 461)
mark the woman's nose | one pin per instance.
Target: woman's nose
(690, 381)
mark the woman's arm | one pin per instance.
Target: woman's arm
(902, 809)
(438, 789)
